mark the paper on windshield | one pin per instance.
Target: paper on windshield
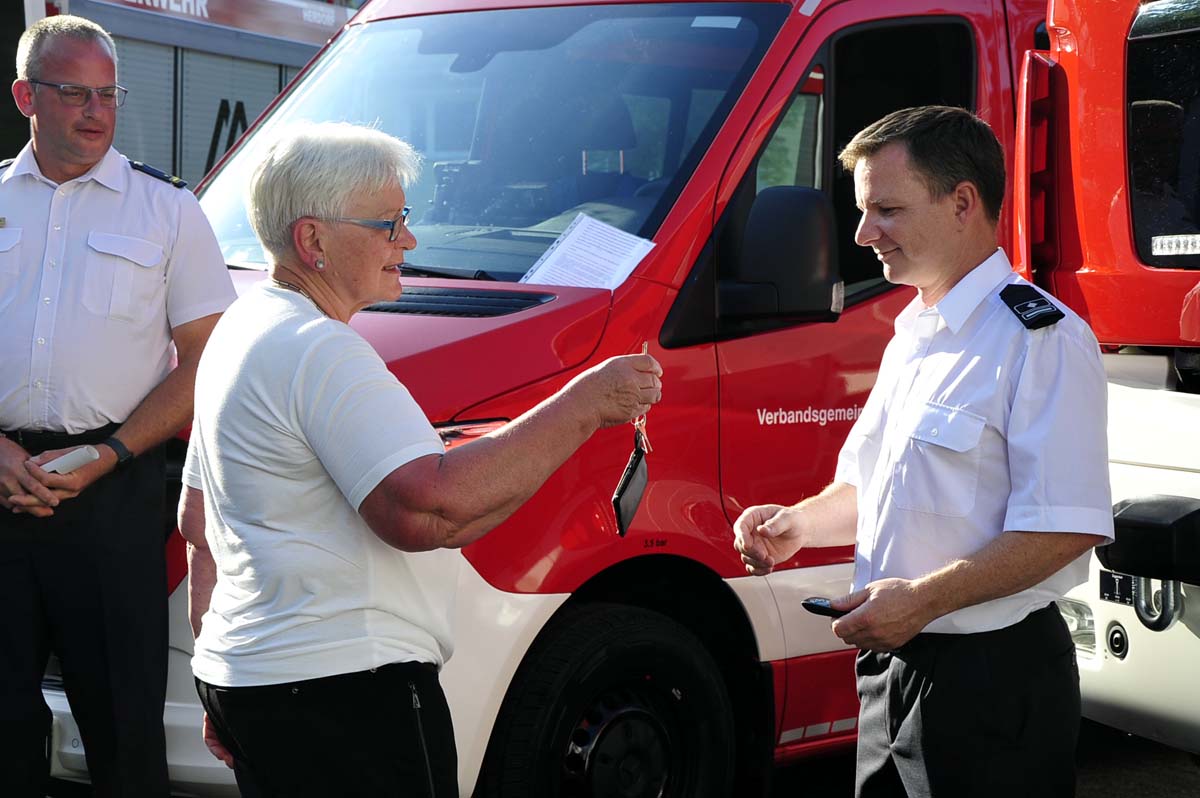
(589, 254)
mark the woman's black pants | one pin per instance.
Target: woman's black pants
(382, 732)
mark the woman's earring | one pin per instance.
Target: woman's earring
(320, 264)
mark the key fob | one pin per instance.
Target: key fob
(819, 605)
(628, 495)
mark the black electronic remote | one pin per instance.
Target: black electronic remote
(820, 606)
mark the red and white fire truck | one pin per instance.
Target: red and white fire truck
(590, 664)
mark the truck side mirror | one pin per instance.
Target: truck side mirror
(787, 266)
(1157, 537)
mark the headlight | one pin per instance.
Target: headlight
(1082, 625)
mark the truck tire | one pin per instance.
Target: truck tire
(613, 702)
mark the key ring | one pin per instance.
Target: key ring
(639, 423)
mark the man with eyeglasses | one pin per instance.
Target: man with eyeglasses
(105, 265)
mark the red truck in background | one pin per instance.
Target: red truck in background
(1107, 210)
(590, 664)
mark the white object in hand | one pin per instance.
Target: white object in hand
(72, 460)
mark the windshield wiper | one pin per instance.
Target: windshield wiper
(454, 274)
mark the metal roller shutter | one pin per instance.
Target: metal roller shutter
(146, 122)
(220, 96)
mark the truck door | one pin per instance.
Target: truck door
(789, 392)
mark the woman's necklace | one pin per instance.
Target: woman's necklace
(298, 290)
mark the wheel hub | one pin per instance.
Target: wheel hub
(619, 747)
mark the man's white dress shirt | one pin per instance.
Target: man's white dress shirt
(94, 274)
(977, 426)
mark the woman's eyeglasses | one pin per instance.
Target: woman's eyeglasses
(394, 227)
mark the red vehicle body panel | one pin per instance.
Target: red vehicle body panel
(1089, 260)
(826, 682)
(427, 353)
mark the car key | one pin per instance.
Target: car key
(818, 605)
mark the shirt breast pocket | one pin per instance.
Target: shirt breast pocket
(10, 267)
(124, 279)
(938, 470)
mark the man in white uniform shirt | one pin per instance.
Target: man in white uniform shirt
(973, 484)
(104, 265)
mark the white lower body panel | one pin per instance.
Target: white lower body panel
(1152, 692)
(192, 769)
(1154, 446)
(493, 630)
(782, 627)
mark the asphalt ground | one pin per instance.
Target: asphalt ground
(1111, 765)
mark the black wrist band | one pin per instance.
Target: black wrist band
(124, 456)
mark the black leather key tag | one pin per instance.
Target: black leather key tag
(628, 494)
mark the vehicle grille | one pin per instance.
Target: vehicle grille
(463, 302)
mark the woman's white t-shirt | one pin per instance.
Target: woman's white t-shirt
(297, 419)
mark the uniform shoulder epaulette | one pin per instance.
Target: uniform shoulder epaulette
(1028, 304)
(7, 162)
(159, 174)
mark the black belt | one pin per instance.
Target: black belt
(38, 441)
(1046, 620)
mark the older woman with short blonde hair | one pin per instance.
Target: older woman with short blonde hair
(320, 505)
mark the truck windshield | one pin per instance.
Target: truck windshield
(524, 118)
(1164, 134)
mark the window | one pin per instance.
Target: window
(525, 118)
(791, 156)
(875, 69)
(1164, 145)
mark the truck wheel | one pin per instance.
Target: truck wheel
(613, 702)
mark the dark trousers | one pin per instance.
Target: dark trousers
(980, 715)
(375, 734)
(89, 584)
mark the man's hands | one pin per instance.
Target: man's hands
(18, 482)
(884, 615)
(881, 617)
(162, 412)
(40, 492)
(214, 744)
(620, 389)
(889, 612)
(768, 534)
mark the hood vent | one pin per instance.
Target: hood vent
(461, 302)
